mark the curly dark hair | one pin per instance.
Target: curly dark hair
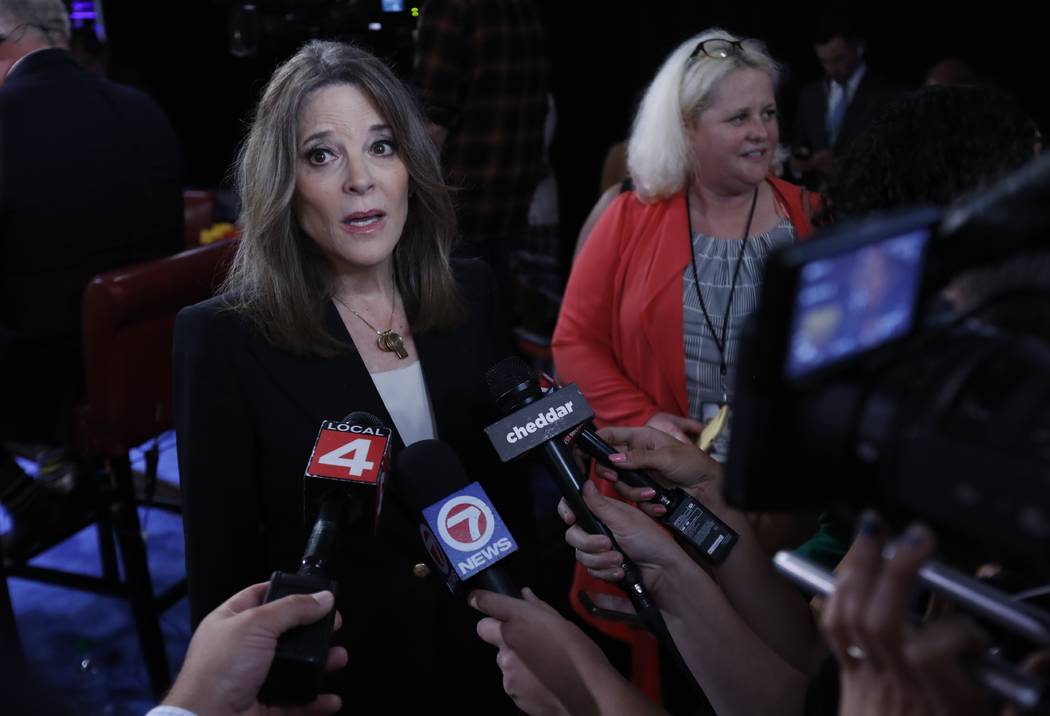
(932, 146)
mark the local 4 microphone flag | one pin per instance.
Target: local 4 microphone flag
(469, 531)
(346, 451)
(353, 457)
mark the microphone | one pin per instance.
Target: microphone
(565, 411)
(347, 468)
(353, 455)
(461, 530)
(689, 520)
(534, 420)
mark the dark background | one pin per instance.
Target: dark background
(602, 55)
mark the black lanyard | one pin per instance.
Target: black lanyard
(720, 342)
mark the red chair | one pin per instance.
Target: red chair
(128, 322)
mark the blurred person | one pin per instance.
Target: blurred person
(482, 72)
(614, 167)
(654, 306)
(905, 156)
(341, 298)
(874, 302)
(615, 180)
(90, 180)
(951, 71)
(934, 145)
(608, 196)
(833, 110)
(230, 654)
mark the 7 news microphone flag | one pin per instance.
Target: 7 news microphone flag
(461, 529)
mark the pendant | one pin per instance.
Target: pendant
(391, 342)
(713, 429)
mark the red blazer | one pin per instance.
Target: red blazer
(619, 338)
(619, 335)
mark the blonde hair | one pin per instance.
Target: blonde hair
(659, 157)
(49, 17)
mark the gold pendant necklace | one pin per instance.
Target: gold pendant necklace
(389, 341)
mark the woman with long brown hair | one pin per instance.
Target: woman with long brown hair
(342, 298)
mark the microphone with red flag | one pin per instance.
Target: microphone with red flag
(343, 483)
(352, 455)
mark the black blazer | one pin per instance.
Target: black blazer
(90, 179)
(873, 93)
(247, 416)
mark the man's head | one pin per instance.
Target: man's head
(839, 49)
(29, 25)
(951, 72)
(904, 156)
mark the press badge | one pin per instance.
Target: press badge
(719, 449)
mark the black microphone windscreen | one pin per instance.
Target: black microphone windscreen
(506, 375)
(426, 472)
(360, 417)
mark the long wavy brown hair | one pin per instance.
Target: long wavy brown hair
(279, 279)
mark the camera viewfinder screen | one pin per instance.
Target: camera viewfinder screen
(854, 302)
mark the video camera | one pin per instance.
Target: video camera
(855, 389)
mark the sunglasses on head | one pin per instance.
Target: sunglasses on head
(721, 48)
(19, 28)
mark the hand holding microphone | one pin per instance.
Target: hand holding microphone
(342, 489)
(670, 462)
(527, 680)
(549, 666)
(537, 422)
(233, 647)
(885, 664)
(551, 422)
(890, 662)
(638, 538)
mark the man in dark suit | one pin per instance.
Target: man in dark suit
(833, 110)
(90, 179)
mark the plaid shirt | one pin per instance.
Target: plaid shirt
(483, 75)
